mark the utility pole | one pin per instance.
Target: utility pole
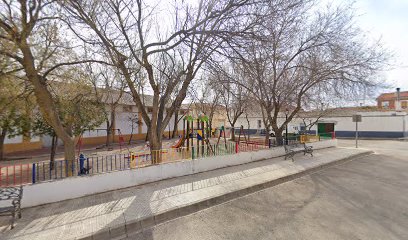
(357, 118)
(286, 128)
(356, 134)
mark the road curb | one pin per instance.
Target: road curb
(134, 227)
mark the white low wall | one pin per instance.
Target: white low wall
(48, 192)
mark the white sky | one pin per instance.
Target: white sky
(388, 20)
(380, 19)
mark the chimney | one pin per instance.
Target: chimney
(397, 101)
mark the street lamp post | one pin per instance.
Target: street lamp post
(286, 128)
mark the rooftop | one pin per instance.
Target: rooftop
(393, 95)
(347, 111)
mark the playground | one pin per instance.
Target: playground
(197, 140)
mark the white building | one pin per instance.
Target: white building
(128, 122)
(376, 123)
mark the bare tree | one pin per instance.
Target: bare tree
(207, 98)
(314, 110)
(30, 38)
(303, 52)
(171, 54)
(178, 116)
(234, 96)
(77, 108)
(134, 121)
(109, 88)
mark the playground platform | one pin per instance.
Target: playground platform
(126, 212)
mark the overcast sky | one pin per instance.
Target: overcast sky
(388, 19)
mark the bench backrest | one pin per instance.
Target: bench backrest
(8, 193)
(293, 146)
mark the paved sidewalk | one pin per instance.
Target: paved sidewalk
(127, 211)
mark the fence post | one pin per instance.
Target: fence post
(73, 168)
(128, 160)
(33, 178)
(192, 152)
(236, 147)
(132, 160)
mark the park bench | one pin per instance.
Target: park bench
(10, 202)
(291, 150)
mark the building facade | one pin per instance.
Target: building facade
(219, 118)
(128, 123)
(394, 101)
(376, 123)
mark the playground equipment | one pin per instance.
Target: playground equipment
(241, 131)
(180, 143)
(253, 140)
(201, 133)
(222, 133)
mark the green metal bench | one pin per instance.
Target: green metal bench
(291, 150)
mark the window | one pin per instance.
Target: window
(259, 124)
(385, 104)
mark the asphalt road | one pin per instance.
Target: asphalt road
(366, 198)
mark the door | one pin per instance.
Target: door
(325, 128)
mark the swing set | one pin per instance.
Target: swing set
(249, 143)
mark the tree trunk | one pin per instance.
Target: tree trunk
(232, 133)
(113, 125)
(108, 133)
(155, 139)
(210, 128)
(249, 127)
(175, 131)
(278, 135)
(54, 144)
(267, 132)
(131, 134)
(69, 153)
(46, 102)
(2, 139)
(110, 126)
(175, 127)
